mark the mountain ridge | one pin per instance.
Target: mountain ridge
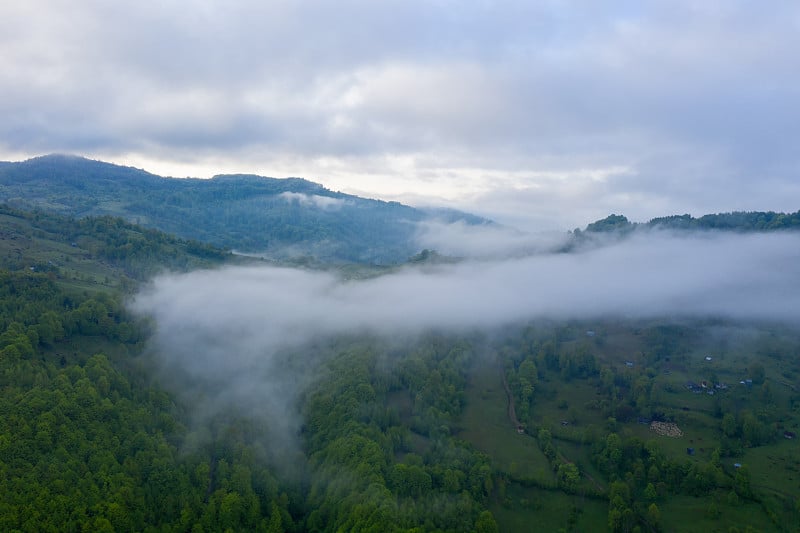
(278, 217)
(743, 221)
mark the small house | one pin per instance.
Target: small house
(708, 358)
(692, 386)
(789, 434)
(689, 451)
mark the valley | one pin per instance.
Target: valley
(158, 383)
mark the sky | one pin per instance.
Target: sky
(540, 114)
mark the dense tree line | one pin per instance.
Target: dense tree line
(372, 472)
(744, 221)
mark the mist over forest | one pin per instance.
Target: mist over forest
(330, 267)
(658, 273)
(238, 333)
(493, 377)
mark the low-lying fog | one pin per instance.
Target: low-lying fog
(220, 330)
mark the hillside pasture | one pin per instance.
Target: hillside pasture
(486, 425)
(532, 509)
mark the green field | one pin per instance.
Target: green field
(531, 509)
(487, 426)
(696, 515)
(575, 411)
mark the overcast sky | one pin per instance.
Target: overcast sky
(541, 114)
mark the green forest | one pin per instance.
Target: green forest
(254, 214)
(616, 425)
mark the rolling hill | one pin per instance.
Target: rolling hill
(278, 218)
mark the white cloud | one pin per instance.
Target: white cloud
(489, 241)
(696, 102)
(315, 200)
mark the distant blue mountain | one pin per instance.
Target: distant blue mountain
(279, 218)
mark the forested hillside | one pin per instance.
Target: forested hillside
(397, 438)
(614, 424)
(89, 441)
(740, 221)
(280, 218)
(88, 444)
(96, 251)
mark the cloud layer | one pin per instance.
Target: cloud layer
(528, 111)
(652, 274)
(326, 203)
(459, 239)
(243, 338)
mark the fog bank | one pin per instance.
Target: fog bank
(225, 333)
(740, 276)
(460, 239)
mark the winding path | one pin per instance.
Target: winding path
(512, 415)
